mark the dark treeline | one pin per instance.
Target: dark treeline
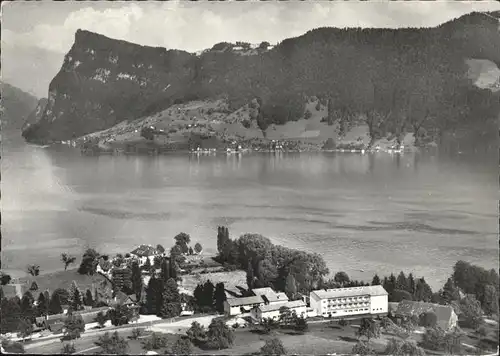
(268, 265)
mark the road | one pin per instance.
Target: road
(85, 344)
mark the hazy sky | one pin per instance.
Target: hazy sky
(36, 35)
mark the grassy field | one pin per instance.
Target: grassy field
(231, 280)
(63, 279)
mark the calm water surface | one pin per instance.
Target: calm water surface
(377, 213)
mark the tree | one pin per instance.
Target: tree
(411, 284)
(287, 317)
(25, 328)
(273, 346)
(101, 319)
(172, 268)
(112, 344)
(403, 348)
(75, 297)
(490, 300)
(165, 270)
(34, 287)
(341, 278)
(220, 336)
(33, 270)
(42, 305)
(181, 347)
(250, 276)
(5, 278)
(219, 297)
(264, 45)
(375, 280)
(401, 281)
(119, 315)
(88, 300)
(68, 349)
(423, 291)
(55, 305)
(89, 262)
(154, 292)
(160, 249)
(428, 319)
(342, 322)
(147, 265)
(137, 279)
(63, 295)
(290, 286)
(268, 324)
(198, 248)
(208, 295)
(191, 252)
(363, 348)
(182, 240)
(222, 238)
(10, 314)
(450, 292)
(399, 295)
(470, 312)
(67, 260)
(369, 329)
(300, 323)
(434, 339)
(73, 327)
(196, 333)
(27, 308)
(157, 261)
(171, 306)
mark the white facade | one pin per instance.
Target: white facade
(345, 302)
(237, 306)
(272, 311)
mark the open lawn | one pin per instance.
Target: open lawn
(231, 280)
(62, 279)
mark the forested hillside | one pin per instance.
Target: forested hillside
(392, 80)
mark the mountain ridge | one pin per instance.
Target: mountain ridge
(17, 105)
(418, 73)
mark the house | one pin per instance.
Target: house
(272, 311)
(350, 302)
(236, 306)
(270, 296)
(446, 317)
(145, 251)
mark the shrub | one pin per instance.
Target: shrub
(155, 342)
(307, 115)
(136, 332)
(318, 108)
(246, 123)
(101, 319)
(428, 319)
(68, 349)
(273, 346)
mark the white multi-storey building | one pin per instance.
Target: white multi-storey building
(346, 302)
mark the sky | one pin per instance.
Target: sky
(37, 35)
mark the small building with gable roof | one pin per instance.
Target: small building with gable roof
(446, 317)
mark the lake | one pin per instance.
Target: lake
(365, 214)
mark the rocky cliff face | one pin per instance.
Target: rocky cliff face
(104, 81)
(414, 72)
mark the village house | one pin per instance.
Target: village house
(262, 296)
(350, 302)
(446, 317)
(272, 311)
(269, 296)
(237, 306)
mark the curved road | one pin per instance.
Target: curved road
(86, 344)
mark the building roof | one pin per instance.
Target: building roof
(278, 306)
(350, 292)
(409, 308)
(270, 295)
(144, 251)
(234, 302)
(122, 298)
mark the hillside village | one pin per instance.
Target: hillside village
(149, 289)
